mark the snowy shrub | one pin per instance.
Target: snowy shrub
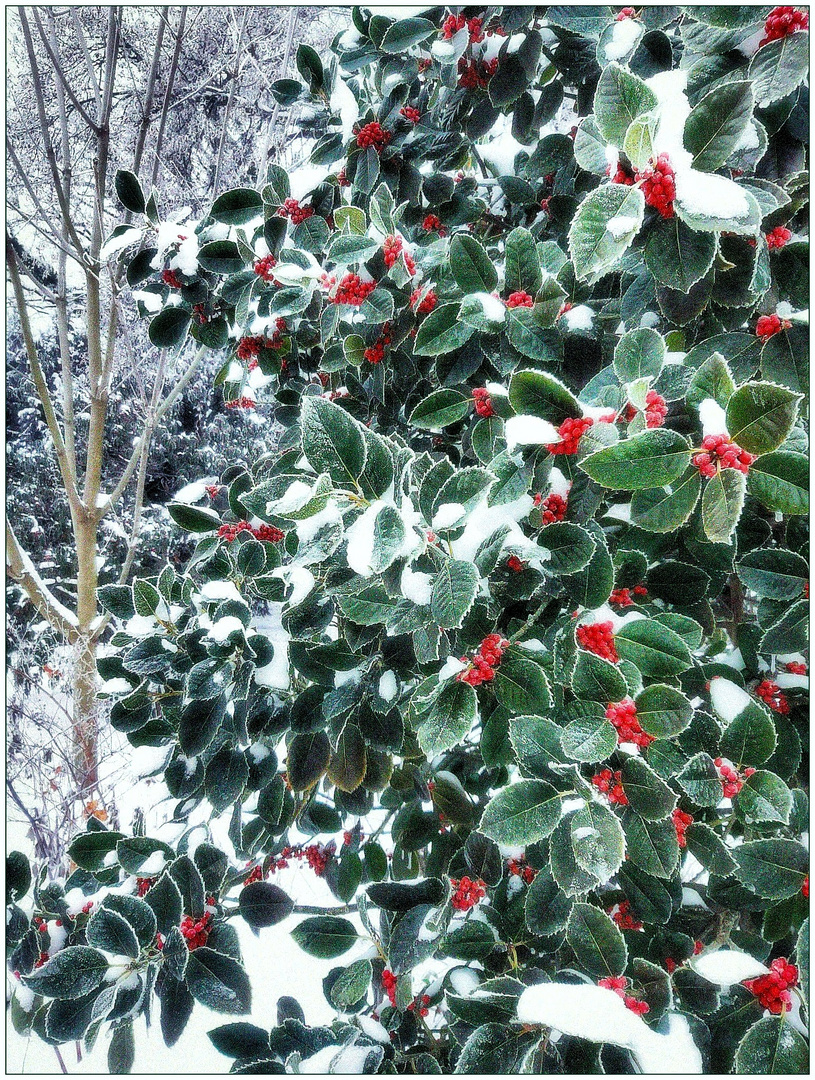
(508, 640)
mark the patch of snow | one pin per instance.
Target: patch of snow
(416, 586)
(373, 1029)
(727, 966)
(222, 628)
(388, 687)
(649, 319)
(258, 752)
(749, 138)
(299, 579)
(709, 195)
(193, 493)
(529, 431)
(464, 981)
(447, 515)
(186, 259)
(621, 225)
(118, 243)
(728, 699)
(558, 483)
(712, 417)
(492, 307)
(485, 520)
(212, 591)
(153, 864)
(343, 102)
(624, 37)
(452, 666)
(673, 110)
(588, 1012)
(115, 686)
(580, 317)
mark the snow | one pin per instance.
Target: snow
(452, 666)
(416, 586)
(343, 102)
(186, 259)
(558, 483)
(300, 580)
(529, 431)
(115, 686)
(728, 699)
(222, 628)
(709, 195)
(624, 37)
(727, 966)
(388, 687)
(502, 149)
(580, 317)
(492, 307)
(259, 752)
(485, 520)
(673, 109)
(464, 981)
(212, 591)
(621, 225)
(599, 1015)
(275, 674)
(360, 535)
(193, 493)
(153, 864)
(712, 418)
(373, 1029)
(447, 515)
(118, 243)
(749, 138)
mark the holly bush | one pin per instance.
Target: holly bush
(506, 636)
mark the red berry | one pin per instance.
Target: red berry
(552, 508)
(621, 598)
(610, 783)
(570, 431)
(427, 303)
(657, 185)
(769, 325)
(772, 696)
(410, 113)
(483, 402)
(374, 135)
(773, 989)
(795, 668)
(352, 290)
(621, 915)
(625, 13)
(466, 893)
(598, 638)
(681, 822)
(779, 237)
(520, 299)
(623, 716)
(296, 213)
(783, 21)
(515, 564)
(171, 278)
(263, 267)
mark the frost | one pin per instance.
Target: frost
(189, 764)
(727, 966)
(529, 431)
(709, 195)
(580, 317)
(416, 586)
(621, 225)
(388, 687)
(749, 139)
(649, 319)
(728, 699)
(600, 1015)
(584, 832)
(343, 677)
(712, 417)
(447, 515)
(492, 307)
(624, 37)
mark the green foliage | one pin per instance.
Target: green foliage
(410, 653)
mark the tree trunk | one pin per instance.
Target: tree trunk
(86, 706)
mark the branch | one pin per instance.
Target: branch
(62, 77)
(314, 909)
(23, 571)
(179, 37)
(68, 477)
(150, 425)
(229, 102)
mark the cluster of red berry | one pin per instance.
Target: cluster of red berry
(242, 402)
(731, 781)
(255, 874)
(353, 290)
(681, 822)
(720, 452)
(625, 597)
(482, 667)
(296, 213)
(420, 1005)
(623, 715)
(622, 176)
(410, 113)
(483, 402)
(426, 304)
(264, 267)
(467, 893)
(622, 916)
(454, 23)
(213, 490)
(805, 888)
(770, 325)
(773, 989)
(196, 931)
(515, 565)
(658, 185)
(375, 353)
(392, 249)
(250, 346)
(517, 868)
(389, 985)
(598, 638)
(619, 984)
(144, 885)
(779, 237)
(773, 696)
(796, 668)
(783, 21)
(171, 278)
(656, 409)
(269, 533)
(520, 299)
(348, 838)
(610, 783)
(552, 508)
(625, 13)
(432, 223)
(571, 431)
(475, 73)
(317, 856)
(86, 908)
(374, 135)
